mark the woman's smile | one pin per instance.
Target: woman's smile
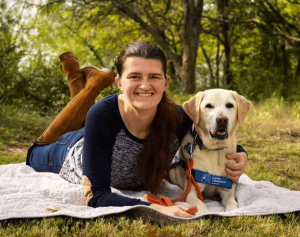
(142, 83)
(144, 94)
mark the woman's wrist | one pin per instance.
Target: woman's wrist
(156, 207)
(174, 210)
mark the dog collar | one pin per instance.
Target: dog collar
(206, 178)
(198, 141)
(190, 148)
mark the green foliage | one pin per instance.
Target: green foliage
(94, 38)
(264, 70)
(49, 85)
(10, 54)
(179, 98)
(263, 62)
(21, 125)
(41, 85)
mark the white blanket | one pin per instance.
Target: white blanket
(26, 193)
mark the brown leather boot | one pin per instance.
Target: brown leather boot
(94, 72)
(73, 115)
(70, 66)
(93, 75)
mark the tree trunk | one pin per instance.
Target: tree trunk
(228, 79)
(225, 27)
(188, 68)
(190, 41)
(185, 64)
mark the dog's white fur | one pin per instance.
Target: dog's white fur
(208, 110)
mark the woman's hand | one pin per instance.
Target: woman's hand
(235, 170)
(179, 211)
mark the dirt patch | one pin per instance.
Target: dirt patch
(21, 150)
(295, 135)
(280, 161)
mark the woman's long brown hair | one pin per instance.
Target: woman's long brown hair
(154, 161)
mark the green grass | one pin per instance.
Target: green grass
(18, 130)
(124, 226)
(270, 135)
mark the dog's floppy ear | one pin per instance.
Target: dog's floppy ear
(243, 106)
(192, 107)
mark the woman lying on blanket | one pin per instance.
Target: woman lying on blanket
(129, 138)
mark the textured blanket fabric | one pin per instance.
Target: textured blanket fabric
(26, 193)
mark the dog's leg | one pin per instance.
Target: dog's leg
(228, 198)
(192, 199)
(177, 177)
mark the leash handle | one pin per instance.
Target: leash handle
(165, 201)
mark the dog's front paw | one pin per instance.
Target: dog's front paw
(231, 206)
(202, 209)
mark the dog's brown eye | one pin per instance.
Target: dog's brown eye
(229, 106)
(209, 106)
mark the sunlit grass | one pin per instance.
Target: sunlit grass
(287, 225)
(271, 136)
(19, 127)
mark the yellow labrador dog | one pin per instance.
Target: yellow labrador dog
(216, 114)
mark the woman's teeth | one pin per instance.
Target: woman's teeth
(148, 94)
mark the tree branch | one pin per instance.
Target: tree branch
(90, 46)
(208, 62)
(280, 25)
(290, 39)
(294, 2)
(161, 39)
(168, 7)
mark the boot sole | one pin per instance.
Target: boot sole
(98, 69)
(69, 52)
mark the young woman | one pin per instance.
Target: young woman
(128, 139)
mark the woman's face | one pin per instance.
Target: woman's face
(142, 82)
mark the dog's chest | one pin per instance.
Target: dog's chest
(210, 161)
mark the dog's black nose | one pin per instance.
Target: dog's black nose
(222, 120)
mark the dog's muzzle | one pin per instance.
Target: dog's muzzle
(222, 127)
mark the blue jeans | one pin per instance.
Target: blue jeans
(50, 158)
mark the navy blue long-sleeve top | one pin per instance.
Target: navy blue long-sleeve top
(110, 155)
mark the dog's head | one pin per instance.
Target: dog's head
(216, 113)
